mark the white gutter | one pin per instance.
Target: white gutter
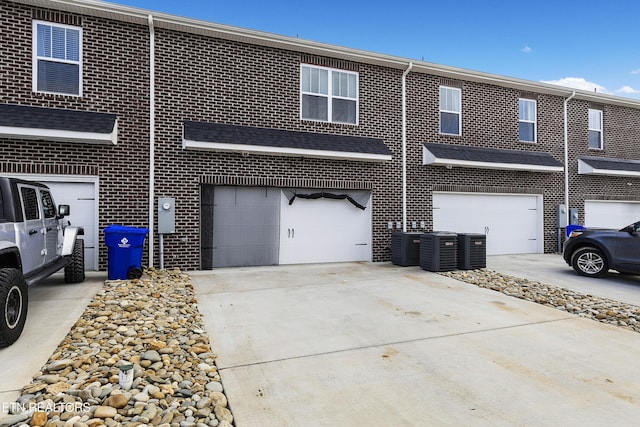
(566, 157)
(404, 146)
(152, 126)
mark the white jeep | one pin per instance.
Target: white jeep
(35, 242)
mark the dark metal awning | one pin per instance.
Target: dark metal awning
(247, 139)
(608, 166)
(56, 124)
(451, 155)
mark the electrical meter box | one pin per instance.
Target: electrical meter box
(166, 215)
(562, 216)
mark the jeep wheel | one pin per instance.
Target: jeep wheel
(74, 271)
(14, 301)
(589, 262)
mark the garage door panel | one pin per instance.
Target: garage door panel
(323, 230)
(81, 197)
(611, 214)
(512, 223)
(245, 226)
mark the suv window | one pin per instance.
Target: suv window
(48, 207)
(30, 203)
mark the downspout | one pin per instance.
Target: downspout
(152, 127)
(404, 146)
(566, 156)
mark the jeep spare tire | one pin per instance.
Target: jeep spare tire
(14, 302)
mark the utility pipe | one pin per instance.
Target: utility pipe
(404, 146)
(566, 156)
(152, 127)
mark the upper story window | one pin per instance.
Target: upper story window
(595, 129)
(329, 95)
(527, 120)
(450, 110)
(57, 58)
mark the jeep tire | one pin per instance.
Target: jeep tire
(74, 271)
(589, 262)
(14, 301)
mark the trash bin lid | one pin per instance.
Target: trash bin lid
(115, 228)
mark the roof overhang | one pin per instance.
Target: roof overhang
(57, 124)
(195, 26)
(276, 151)
(38, 134)
(275, 142)
(488, 158)
(608, 167)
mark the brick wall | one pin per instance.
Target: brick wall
(206, 79)
(489, 119)
(621, 140)
(220, 81)
(115, 70)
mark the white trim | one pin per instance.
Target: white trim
(280, 151)
(60, 135)
(35, 56)
(87, 179)
(586, 169)
(429, 159)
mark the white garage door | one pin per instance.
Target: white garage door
(606, 214)
(323, 230)
(81, 194)
(513, 223)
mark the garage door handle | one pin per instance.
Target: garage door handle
(32, 232)
(361, 244)
(291, 232)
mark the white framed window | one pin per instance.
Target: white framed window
(328, 95)
(527, 121)
(595, 129)
(57, 58)
(450, 110)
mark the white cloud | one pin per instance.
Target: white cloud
(526, 49)
(636, 71)
(578, 83)
(628, 90)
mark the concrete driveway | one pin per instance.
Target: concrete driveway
(552, 270)
(376, 344)
(54, 307)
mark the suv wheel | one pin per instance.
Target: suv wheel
(14, 301)
(589, 262)
(74, 271)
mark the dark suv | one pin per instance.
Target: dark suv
(592, 252)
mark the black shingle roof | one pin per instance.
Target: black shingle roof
(245, 135)
(491, 155)
(23, 116)
(612, 164)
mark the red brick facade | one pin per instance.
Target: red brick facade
(208, 79)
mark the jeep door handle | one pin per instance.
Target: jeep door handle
(32, 232)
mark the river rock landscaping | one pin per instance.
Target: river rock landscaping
(150, 328)
(584, 305)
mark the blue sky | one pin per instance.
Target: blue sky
(588, 44)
